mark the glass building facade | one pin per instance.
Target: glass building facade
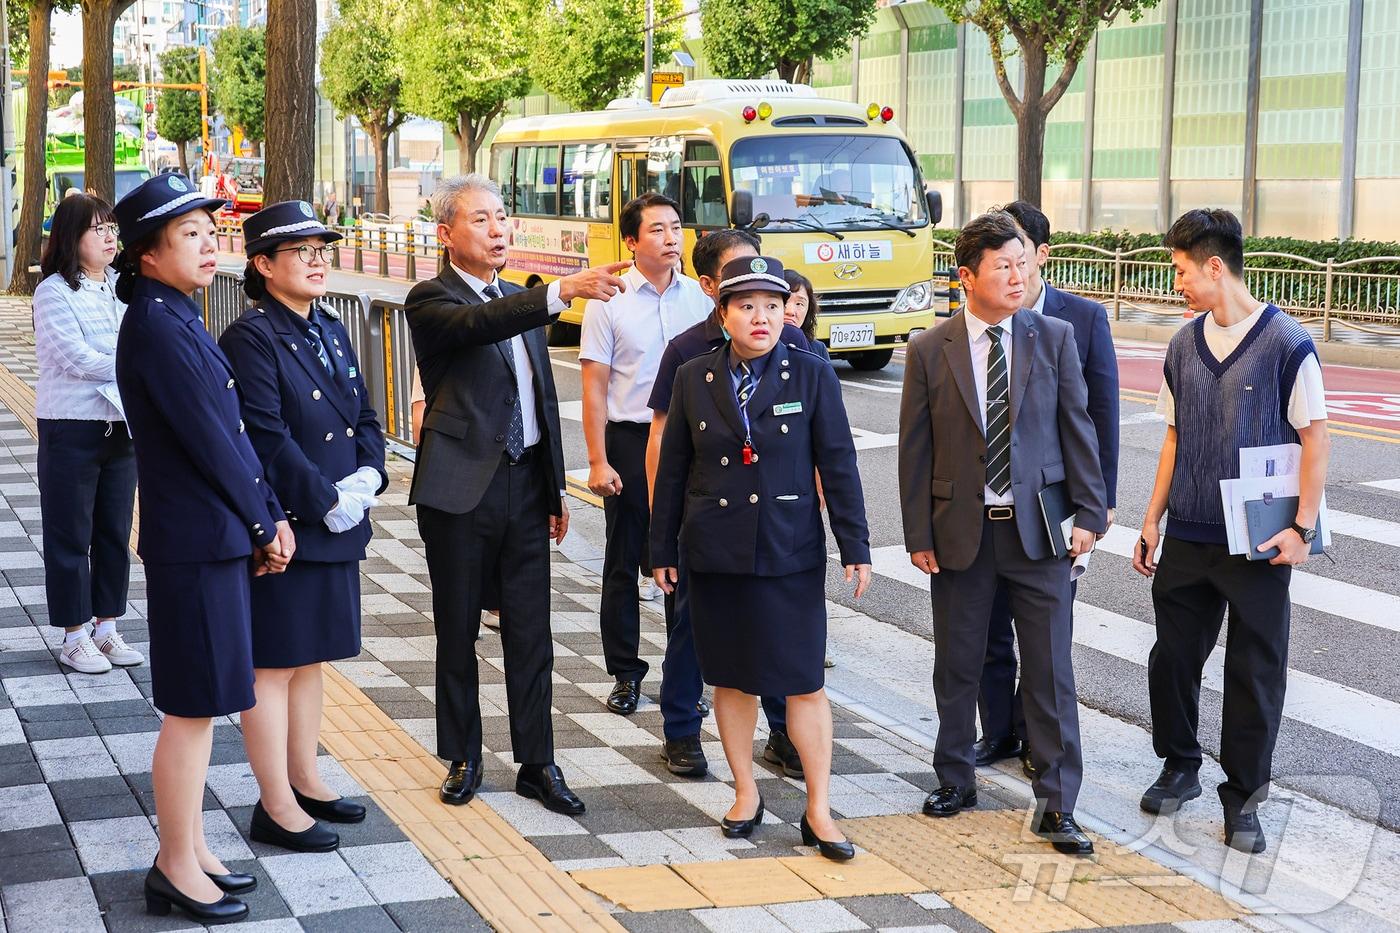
(1285, 111)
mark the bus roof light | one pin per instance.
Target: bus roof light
(887, 114)
(872, 111)
(765, 110)
(749, 114)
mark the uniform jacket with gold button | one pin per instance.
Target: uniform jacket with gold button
(310, 427)
(202, 491)
(719, 515)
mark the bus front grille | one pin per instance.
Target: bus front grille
(857, 302)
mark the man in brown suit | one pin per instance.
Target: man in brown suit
(994, 410)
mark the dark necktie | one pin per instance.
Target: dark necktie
(313, 336)
(998, 416)
(745, 387)
(515, 433)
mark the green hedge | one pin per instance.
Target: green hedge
(1320, 250)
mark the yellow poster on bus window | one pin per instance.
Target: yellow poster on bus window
(548, 247)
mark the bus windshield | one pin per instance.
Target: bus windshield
(127, 179)
(828, 181)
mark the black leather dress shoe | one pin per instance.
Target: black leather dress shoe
(1027, 766)
(338, 810)
(685, 757)
(1064, 834)
(702, 706)
(780, 751)
(1243, 832)
(742, 829)
(460, 785)
(234, 882)
(990, 751)
(315, 838)
(161, 895)
(836, 851)
(625, 696)
(546, 784)
(1171, 789)
(949, 800)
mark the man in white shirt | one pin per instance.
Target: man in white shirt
(1243, 375)
(622, 342)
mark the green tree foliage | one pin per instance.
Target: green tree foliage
(1043, 33)
(177, 112)
(462, 61)
(239, 75)
(589, 53)
(362, 77)
(750, 38)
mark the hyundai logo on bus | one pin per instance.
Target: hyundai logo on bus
(846, 271)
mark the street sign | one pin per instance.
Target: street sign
(246, 147)
(151, 135)
(661, 80)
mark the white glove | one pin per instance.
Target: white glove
(365, 481)
(349, 511)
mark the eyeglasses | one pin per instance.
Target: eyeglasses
(104, 230)
(308, 254)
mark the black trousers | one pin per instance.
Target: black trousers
(502, 542)
(999, 703)
(1194, 587)
(87, 482)
(1040, 602)
(627, 522)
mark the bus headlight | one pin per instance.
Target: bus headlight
(917, 297)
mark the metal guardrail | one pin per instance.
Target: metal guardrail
(379, 335)
(1331, 292)
(389, 250)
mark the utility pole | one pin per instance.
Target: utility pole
(646, 74)
(7, 135)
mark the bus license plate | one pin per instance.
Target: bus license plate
(845, 336)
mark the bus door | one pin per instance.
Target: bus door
(627, 176)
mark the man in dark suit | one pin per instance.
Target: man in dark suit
(489, 479)
(994, 411)
(999, 704)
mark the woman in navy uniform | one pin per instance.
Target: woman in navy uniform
(209, 523)
(310, 420)
(749, 425)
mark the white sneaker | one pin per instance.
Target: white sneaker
(83, 656)
(647, 589)
(119, 652)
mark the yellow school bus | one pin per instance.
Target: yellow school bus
(833, 189)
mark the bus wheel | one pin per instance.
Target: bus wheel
(870, 360)
(564, 335)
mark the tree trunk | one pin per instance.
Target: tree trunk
(379, 139)
(99, 100)
(28, 238)
(467, 144)
(1030, 128)
(290, 101)
(181, 150)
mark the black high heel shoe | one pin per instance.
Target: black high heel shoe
(234, 882)
(742, 829)
(836, 851)
(161, 895)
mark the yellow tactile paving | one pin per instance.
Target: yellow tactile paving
(919, 848)
(1020, 909)
(863, 875)
(652, 887)
(506, 879)
(746, 882)
(1196, 900)
(1118, 903)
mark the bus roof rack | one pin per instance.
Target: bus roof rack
(716, 89)
(628, 103)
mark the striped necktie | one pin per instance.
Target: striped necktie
(998, 415)
(515, 431)
(318, 344)
(745, 388)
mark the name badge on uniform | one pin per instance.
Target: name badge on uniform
(787, 408)
(353, 371)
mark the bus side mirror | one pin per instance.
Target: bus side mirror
(741, 208)
(935, 206)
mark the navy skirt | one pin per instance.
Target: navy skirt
(309, 614)
(761, 635)
(199, 617)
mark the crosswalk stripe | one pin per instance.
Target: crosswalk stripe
(1313, 700)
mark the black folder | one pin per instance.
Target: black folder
(1055, 507)
(1266, 518)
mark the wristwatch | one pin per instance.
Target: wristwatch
(1307, 534)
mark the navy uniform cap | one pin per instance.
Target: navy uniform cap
(156, 201)
(753, 274)
(288, 220)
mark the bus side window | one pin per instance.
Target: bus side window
(663, 172)
(702, 190)
(587, 184)
(536, 179)
(502, 159)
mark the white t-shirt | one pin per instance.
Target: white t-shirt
(1306, 404)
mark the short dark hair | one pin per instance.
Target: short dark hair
(704, 258)
(797, 280)
(991, 230)
(1204, 233)
(629, 222)
(1032, 220)
(71, 220)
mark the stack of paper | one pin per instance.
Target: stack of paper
(1265, 472)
